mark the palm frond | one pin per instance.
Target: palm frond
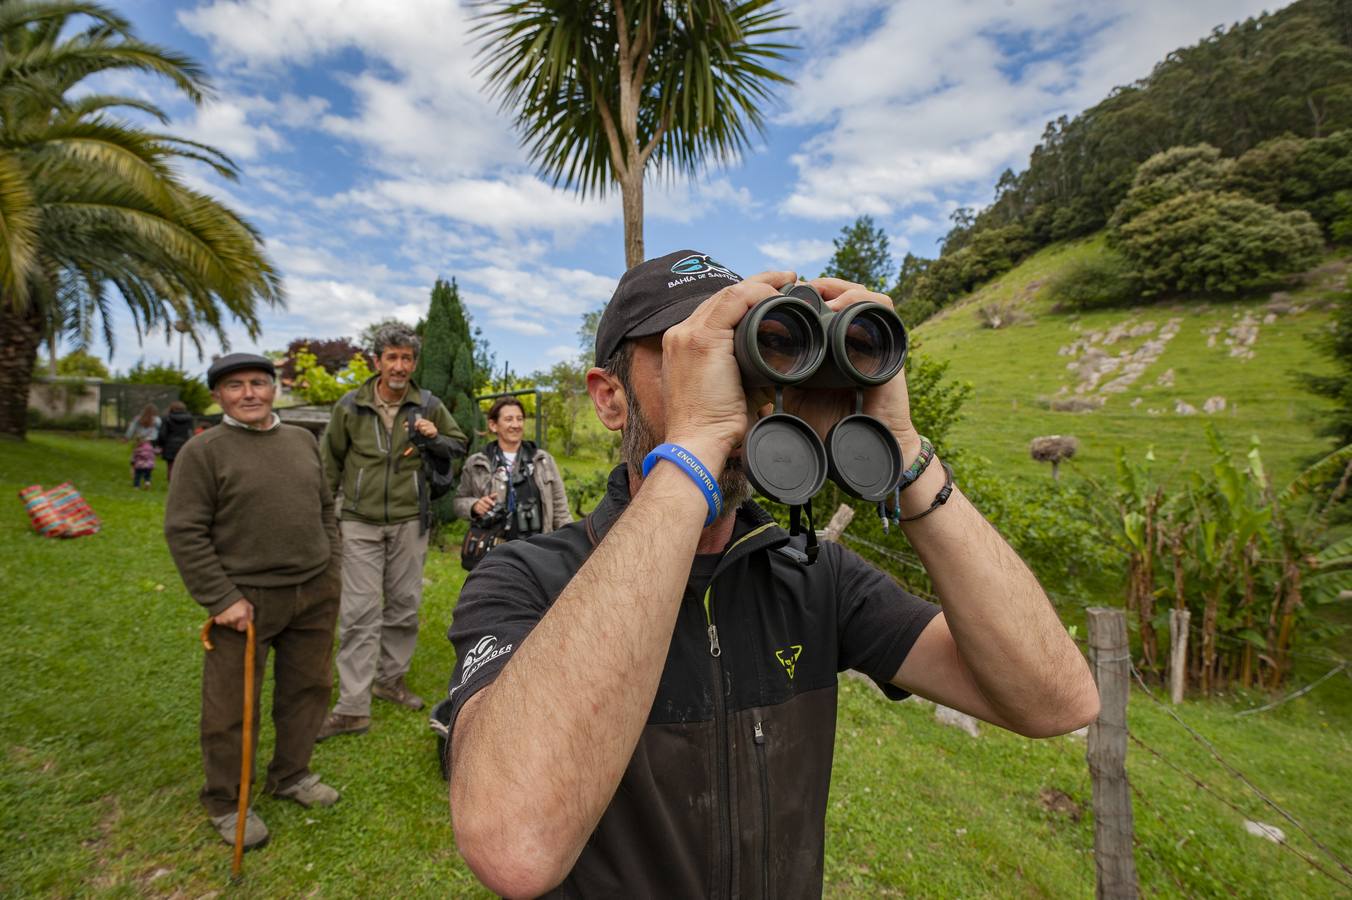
(20, 220)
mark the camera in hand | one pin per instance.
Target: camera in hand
(495, 516)
(795, 340)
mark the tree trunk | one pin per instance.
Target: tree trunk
(1209, 641)
(631, 195)
(20, 336)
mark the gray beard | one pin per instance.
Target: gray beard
(638, 440)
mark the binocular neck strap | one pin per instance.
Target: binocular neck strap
(796, 513)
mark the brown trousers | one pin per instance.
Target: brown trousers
(297, 622)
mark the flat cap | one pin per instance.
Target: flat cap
(235, 362)
(657, 294)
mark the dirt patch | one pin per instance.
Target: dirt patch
(1060, 803)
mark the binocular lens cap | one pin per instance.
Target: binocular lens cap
(864, 457)
(784, 459)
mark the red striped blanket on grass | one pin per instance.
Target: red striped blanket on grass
(59, 512)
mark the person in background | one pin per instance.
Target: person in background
(251, 527)
(146, 426)
(142, 433)
(514, 473)
(142, 465)
(175, 430)
(371, 457)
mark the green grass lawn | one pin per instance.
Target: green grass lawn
(99, 768)
(1015, 371)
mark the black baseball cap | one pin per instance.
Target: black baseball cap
(235, 362)
(657, 294)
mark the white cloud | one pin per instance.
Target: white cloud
(797, 254)
(504, 203)
(937, 99)
(676, 198)
(234, 125)
(417, 100)
(544, 301)
(561, 351)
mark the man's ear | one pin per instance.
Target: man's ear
(607, 395)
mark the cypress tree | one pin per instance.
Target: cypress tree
(446, 368)
(446, 364)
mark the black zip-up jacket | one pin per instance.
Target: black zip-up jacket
(725, 795)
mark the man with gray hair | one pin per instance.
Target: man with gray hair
(373, 452)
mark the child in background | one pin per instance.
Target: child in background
(142, 465)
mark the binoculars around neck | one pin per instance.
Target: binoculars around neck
(794, 340)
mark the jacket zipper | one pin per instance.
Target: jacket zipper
(389, 455)
(721, 757)
(759, 737)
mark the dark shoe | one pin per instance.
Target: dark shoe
(255, 832)
(310, 791)
(337, 723)
(397, 692)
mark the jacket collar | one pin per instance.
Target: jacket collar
(753, 529)
(366, 394)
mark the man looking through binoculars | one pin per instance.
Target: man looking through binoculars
(644, 702)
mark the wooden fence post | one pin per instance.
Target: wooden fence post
(1107, 756)
(1178, 653)
(839, 522)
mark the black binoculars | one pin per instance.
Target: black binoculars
(794, 340)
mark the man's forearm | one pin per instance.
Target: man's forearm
(538, 755)
(1005, 629)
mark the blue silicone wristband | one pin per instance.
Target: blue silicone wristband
(688, 463)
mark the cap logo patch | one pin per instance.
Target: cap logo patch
(693, 268)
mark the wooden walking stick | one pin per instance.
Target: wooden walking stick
(246, 758)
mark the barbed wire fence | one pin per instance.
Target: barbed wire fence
(1323, 860)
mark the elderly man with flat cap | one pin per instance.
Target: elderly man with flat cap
(644, 702)
(250, 524)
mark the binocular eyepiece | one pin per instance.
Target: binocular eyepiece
(794, 340)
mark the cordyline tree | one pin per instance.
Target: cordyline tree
(600, 90)
(446, 363)
(93, 215)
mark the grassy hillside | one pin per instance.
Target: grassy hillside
(1246, 352)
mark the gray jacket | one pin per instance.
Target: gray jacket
(476, 481)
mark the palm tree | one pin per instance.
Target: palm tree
(93, 214)
(601, 89)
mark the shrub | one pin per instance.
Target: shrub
(314, 384)
(1095, 282)
(1213, 242)
(1313, 174)
(986, 254)
(72, 422)
(192, 391)
(1172, 173)
(1000, 315)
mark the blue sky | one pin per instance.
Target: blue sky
(373, 162)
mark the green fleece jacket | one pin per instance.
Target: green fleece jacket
(379, 471)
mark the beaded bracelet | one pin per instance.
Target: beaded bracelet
(918, 465)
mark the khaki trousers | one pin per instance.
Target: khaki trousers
(378, 624)
(297, 622)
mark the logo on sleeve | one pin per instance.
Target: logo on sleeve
(788, 658)
(480, 655)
